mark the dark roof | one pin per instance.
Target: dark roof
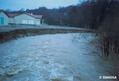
(1, 11)
(14, 14)
(4, 12)
(35, 16)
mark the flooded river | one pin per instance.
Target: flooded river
(56, 57)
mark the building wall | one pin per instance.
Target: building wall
(11, 21)
(42, 21)
(37, 21)
(2, 14)
(24, 18)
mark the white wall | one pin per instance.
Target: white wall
(24, 17)
(11, 21)
(2, 14)
(37, 21)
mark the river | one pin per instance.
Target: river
(52, 57)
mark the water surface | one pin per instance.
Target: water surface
(58, 57)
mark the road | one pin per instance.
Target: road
(16, 27)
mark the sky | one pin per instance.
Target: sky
(32, 4)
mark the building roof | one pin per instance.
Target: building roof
(35, 16)
(14, 14)
(4, 12)
(1, 11)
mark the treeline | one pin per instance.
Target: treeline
(108, 28)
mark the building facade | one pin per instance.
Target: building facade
(3, 18)
(24, 18)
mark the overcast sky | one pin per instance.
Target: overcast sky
(31, 4)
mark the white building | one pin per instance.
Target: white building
(24, 18)
(4, 18)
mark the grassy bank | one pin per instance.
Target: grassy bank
(14, 34)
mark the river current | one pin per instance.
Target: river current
(55, 57)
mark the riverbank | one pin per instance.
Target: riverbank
(9, 33)
(17, 27)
